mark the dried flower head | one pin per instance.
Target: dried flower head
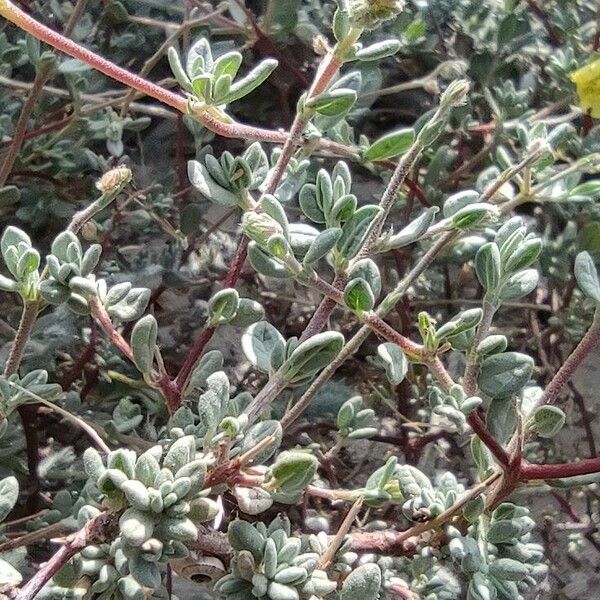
(369, 14)
(113, 179)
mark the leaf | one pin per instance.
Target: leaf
(222, 306)
(313, 355)
(135, 526)
(525, 254)
(259, 432)
(520, 285)
(367, 270)
(333, 103)
(502, 418)
(143, 343)
(548, 421)
(412, 232)
(181, 452)
(587, 276)
(250, 82)
(358, 295)
(259, 342)
(132, 306)
(458, 201)
(9, 194)
(506, 374)
(472, 215)
(378, 50)
(248, 312)
(9, 576)
(356, 229)
(293, 471)
(265, 264)
(201, 179)
(243, 536)
(396, 365)
(488, 266)
(322, 245)
(9, 493)
(390, 145)
(363, 583)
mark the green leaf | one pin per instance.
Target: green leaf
(132, 306)
(363, 583)
(396, 365)
(265, 264)
(178, 71)
(525, 254)
(502, 418)
(369, 271)
(181, 452)
(333, 103)
(259, 342)
(292, 471)
(488, 266)
(136, 526)
(356, 229)
(143, 343)
(309, 205)
(520, 284)
(257, 433)
(412, 232)
(587, 276)
(378, 50)
(248, 312)
(548, 421)
(358, 295)
(472, 215)
(223, 306)
(227, 64)
(201, 179)
(9, 493)
(390, 145)
(313, 355)
(250, 82)
(322, 245)
(506, 374)
(458, 201)
(243, 536)
(9, 194)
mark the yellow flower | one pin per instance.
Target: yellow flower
(587, 81)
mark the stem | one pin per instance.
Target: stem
(168, 388)
(573, 362)
(204, 338)
(392, 542)
(21, 127)
(472, 368)
(96, 530)
(557, 471)
(28, 318)
(357, 340)
(390, 195)
(27, 23)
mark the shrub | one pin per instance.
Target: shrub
(172, 402)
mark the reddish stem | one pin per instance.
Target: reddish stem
(556, 471)
(167, 387)
(573, 362)
(24, 21)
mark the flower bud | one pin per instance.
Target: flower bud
(259, 227)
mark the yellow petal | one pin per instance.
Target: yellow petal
(587, 81)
